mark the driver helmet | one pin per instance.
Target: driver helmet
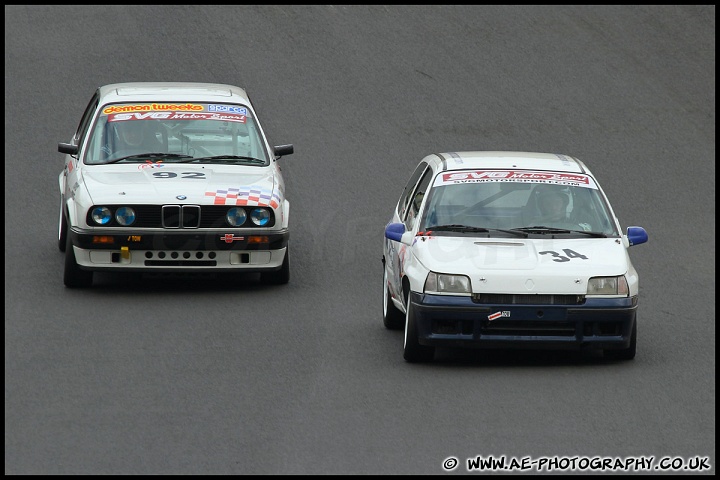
(132, 133)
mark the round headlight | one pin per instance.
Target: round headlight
(236, 216)
(125, 216)
(101, 215)
(260, 216)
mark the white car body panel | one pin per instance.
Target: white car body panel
(516, 266)
(139, 186)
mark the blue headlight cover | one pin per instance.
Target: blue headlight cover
(260, 216)
(101, 215)
(236, 216)
(125, 216)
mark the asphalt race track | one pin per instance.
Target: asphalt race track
(210, 376)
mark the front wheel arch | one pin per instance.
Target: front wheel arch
(405, 290)
(62, 227)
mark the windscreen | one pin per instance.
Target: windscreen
(517, 199)
(215, 132)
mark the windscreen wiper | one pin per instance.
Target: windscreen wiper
(148, 156)
(468, 229)
(228, 157)
(543, 229)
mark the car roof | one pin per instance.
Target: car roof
(171, 91)
(501, 160)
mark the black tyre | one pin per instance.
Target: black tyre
(279, 277)
(74, 276)
(413, 351)
(625, 353)
(62, 228)
(393, 319)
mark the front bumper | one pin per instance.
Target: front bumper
(454, 321)
(179, 252)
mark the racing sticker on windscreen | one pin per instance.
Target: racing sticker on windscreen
(523, 176)
(173, 111)
(254, 195)
(226, 117)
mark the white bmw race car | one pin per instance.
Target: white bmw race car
(508, 250)
(172, 177)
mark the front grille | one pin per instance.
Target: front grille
(508, 328)
(527, 299)
(529, 328)
(182, 216)
(180, 263)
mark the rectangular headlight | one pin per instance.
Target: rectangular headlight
(608, 286)
(445, 283)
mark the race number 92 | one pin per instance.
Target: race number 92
(183, 175)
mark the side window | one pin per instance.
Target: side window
(414, 206)
(406, 195)
(85, 120)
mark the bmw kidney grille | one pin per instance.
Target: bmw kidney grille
(181, 216)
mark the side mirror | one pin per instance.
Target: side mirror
(280, 150)
(394, 231)
(68, 148)
(636, 235)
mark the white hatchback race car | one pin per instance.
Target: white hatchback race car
(508, 250)
(172, 177)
